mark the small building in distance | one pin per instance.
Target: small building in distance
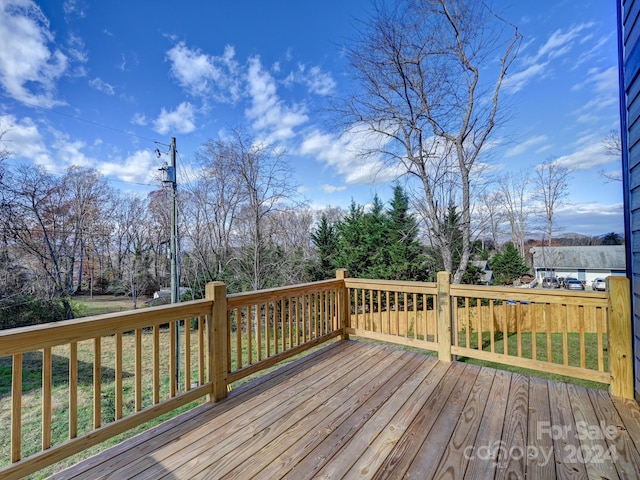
(487, 277)
(583, 263)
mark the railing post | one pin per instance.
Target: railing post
(620, 337)
(217, 333)
(444, 316)
(344, 308)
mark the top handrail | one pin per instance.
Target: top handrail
(36, 337)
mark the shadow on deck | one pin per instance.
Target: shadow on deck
(358, 410)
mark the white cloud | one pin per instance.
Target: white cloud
(602, 94)
(137, 167)
(269, 114)
(526, 145)
(332, 188)
(517, 81)
(180, 120)
(30, 68)
(343, 154)
(317, 81)
(139, 119)
(587, 156)
(537, 66)
(70, 153)
(24, 140)
(559, 43)
(72, 7)
(203, 75)
(592, 218)
(102, 86)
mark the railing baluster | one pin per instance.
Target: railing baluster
(187, 354)
(519, 327)
(565, 337)
(73, 390)
(138, 368)
(173, 367)
(249, 335)
(533, 320)
(201, 350)
(599, 328)
(547, 317)
(240, 320)
(505, 328)
(492, 327)
(46, 398)
(406, 314)
(259, 308)
(16, 407)
(583, 352)
(467, 312)
(118, 376)
(97, 382)
(156, 364)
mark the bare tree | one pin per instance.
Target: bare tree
(265, 187)
(35, 219)
(514, 192)
(492, 215)
(420, 67)
(612, 144)
(4, 154)
(215, 196)
(551, 183)
(87, 192)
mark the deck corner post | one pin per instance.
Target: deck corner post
(620, 337)
(344, 309)
(444, 316)
(217, 330)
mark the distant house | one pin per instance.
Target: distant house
(487, 277)
(583, 263)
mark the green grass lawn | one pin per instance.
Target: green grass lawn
(557, 341)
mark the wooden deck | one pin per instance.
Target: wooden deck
(357, 410)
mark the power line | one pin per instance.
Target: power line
(78, 118)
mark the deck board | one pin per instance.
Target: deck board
(359, 410)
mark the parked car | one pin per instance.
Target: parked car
(573, 284)
(550, 282)
(599, 285)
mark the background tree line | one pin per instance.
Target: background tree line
(69, 234)
(427, 92)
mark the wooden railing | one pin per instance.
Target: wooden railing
(584, 335)
(268, 326)
(103, 375)
(99, 376)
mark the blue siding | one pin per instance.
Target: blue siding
(629, 45)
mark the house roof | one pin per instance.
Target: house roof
(598, 257)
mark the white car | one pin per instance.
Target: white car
(599, 285)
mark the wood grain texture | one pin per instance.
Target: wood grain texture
(359, 410)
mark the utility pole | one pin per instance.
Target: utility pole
(170, 178)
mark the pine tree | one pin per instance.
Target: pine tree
(406, 258)
(508, 265)
(351, 252)
(325, 240)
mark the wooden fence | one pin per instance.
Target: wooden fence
(130, 359)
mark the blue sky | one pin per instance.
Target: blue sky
(96, 83)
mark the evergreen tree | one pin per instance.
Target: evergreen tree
(380, 244)
(377, 241)
(406, 258)
(451, 227)
(508, 265)
(325, 239)
(351, 252)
